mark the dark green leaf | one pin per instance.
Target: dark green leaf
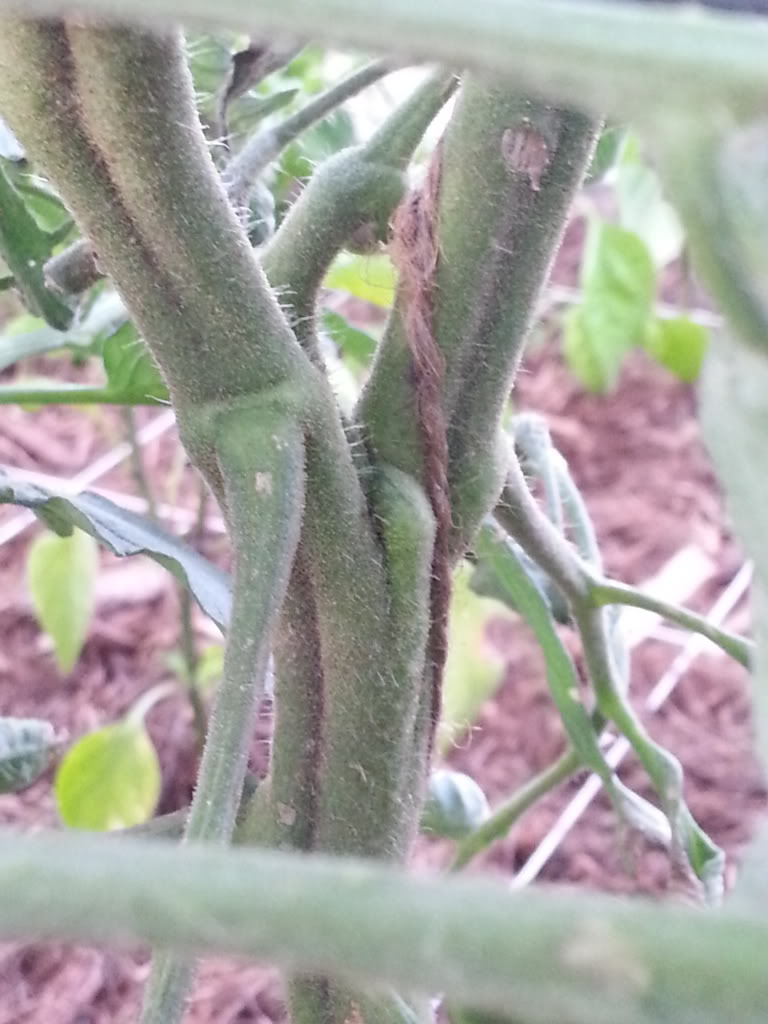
(25, 747)
(679, 345)
(250, 110)
(132, 376)
(606, 152)
(42, 202)
(485, 580)
(29, 336)
(125, 533)
(501, 558)
(455, 805)
(61, 573)
(25, 247)
(109, 779)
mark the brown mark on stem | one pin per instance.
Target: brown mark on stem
(415, 252)
(525, 151)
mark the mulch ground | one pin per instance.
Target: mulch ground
(639, 461)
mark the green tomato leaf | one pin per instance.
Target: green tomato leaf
(125, 533)
(595, 365)
(29, 336)
(25, 747)
(25, 247)
(61, 572)
(485, 583)
(455, 805)
(644, 210)
(370, 278)
(679, 345)
(132, 376)
(618, 283)
(109, 779)
(356, 346)
(500, 556)
(252, 108)
(606, 153)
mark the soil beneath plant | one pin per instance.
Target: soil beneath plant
(638, 459)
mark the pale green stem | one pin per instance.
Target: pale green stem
(556, 956)
(137, 462)
(188, 640)
(519, 514)
(264, 147)
(63, 394)
(604, 592)
(514, 807)
(171, 826)
(626, 58)
(147, 701)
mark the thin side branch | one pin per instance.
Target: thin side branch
(605, 592)
(508, 813)
(263, 148)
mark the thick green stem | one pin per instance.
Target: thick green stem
(125, 147)
(627, 58)
(509, 168)
(297, 738)
(553, 956)
(75, 269)
(261, 462)
(373, 677)
(514, 807)
(533, 159)
(355, 189)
